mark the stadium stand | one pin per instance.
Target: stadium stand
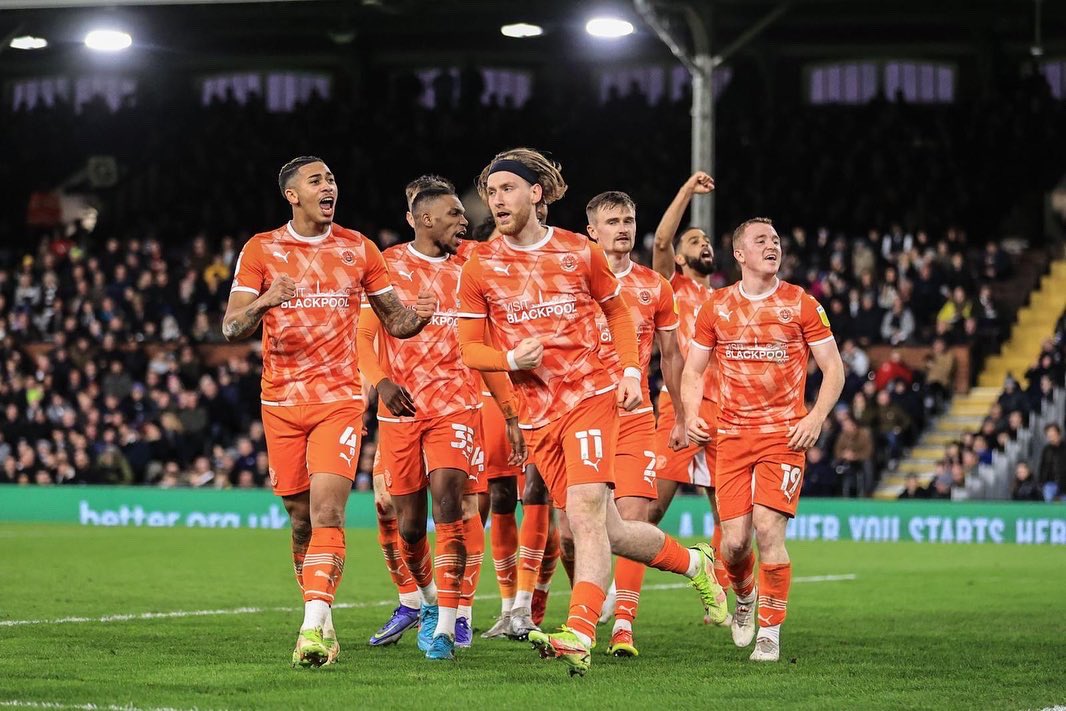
(109, 337)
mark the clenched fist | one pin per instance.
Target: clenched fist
(700, 183)
(281, 290)
(528, 354)
(426, 305)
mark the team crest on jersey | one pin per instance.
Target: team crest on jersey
(388, 478)
(644, 296)
(348, 257)
(568, 263)
(784, 314)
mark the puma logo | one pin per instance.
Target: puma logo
(283, 256)
(589, 463)
(505, 269)
(405, 275)
(724, 314)
(327, 576)
(347, 457)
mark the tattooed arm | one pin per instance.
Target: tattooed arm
(398, 320)
(244, 311)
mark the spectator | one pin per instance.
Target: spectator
(852, 454)
(1051, 472)
(892, 369)
(897, 326)
(1012, 398)
(940, 374)
(867, 321)
(912, 489)
(893, 426)
(818, 479)
(953, 314)
(1025, 488)
(856, 367)
(995, 266)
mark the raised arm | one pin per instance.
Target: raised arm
(245, 309)
(662, 260)
(399, 320)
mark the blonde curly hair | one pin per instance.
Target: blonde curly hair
(549, 173)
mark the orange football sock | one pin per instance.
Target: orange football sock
(721, 573)
(628, 579)
(388, 539)
(474, 539)
(504, 537)
(774, 582)
(672, 557)
(551, 557)
(299, 552)
(741, 574)
(586, 603)
(449, 563)
(419, 564)
(323, 564)
(531, 541)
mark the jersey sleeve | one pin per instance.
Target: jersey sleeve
(472, 302)
(603, 284)
(706, 319)
(667, 313)
(249, 273)
(368, 330)
(814, 322)
(375, 274)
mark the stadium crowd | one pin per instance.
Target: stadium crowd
(102, 328)
(956, 474)
(106, 379)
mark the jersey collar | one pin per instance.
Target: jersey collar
(760, 297)
(309, 240)
(426, 257)
(529, 248)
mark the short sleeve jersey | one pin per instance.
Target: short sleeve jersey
(551, 291)
(651, 303)
(427, 364)
(309, 350)
(761, 346)
(690, 295)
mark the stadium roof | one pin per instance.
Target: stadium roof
(196, 33)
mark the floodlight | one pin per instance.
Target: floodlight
(521, 29)
(108, 40)
(29, 42)
(610, 27)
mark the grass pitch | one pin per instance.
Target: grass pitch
(918, 626)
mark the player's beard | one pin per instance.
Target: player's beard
(699, 266)
(519, 219)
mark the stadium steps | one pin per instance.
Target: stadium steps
(1035, 323)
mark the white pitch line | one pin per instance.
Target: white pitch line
(84, 707)
(339, 606)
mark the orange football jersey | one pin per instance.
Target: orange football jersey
(309, 352)
(651, 302)
(761, 347)
(690, 295)
(427, 364)
(551, 291)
